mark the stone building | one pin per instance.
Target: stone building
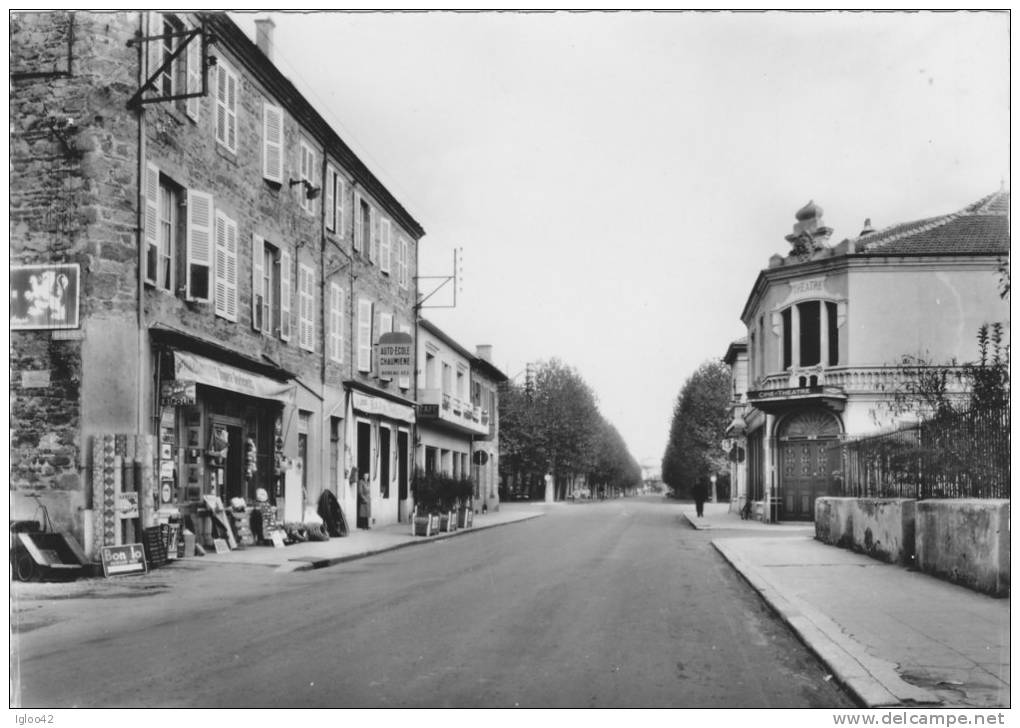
(201, 271)
(458, 421)
(828, 324)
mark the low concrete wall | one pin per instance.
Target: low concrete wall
(965, 541)
(882, 528)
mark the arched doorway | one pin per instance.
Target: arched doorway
(808, 460)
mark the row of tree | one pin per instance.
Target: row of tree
(694, 449)
(552, 425)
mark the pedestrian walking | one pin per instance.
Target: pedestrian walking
(700, 496)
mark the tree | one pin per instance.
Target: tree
(700, 416)
(557, 428)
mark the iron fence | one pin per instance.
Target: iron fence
(961, 455)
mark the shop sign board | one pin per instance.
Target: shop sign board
(126, 559)
(45, 296)
(378, 406)
(195, 368)
(428, 410)
(177, 393)
(396, 355)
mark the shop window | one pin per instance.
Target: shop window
(385, 458)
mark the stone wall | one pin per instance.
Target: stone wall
(966, 542)
(882, 528)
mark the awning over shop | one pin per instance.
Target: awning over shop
(195, 368)
(379, 406)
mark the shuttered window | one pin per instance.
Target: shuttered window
(259, 307)
(226, 106)
(336, 322)
(225, 268)
(330, 198)
(402, 276)
(193, 76)
(272, 143)
(338, 206)
(384, 245)
(286, 273)
(306, 312)
(374, 228)
(307, 174)
(151, 190)
(199, 246)
(364, 335)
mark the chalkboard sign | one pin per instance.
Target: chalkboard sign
(126, 559)
(155, 546)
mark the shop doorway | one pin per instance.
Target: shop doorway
(808, 461)
(384, 462)
(402, 445)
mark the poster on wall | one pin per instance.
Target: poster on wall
(45, 296)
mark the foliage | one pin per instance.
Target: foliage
(439, 492)
(700, 416)
(556, 427)
(929, 390)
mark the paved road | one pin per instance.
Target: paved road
(605, 605)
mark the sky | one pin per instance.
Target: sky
(614, 181)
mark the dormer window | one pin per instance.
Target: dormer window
(810, 335)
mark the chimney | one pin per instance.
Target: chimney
(264, 36)
(484, 351)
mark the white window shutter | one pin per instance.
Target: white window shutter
(336, 312)
(232, 270)
(272, 143)
(340, 205)
(154, 48)
(194, 76)
(306, 312)
(258, 294)
(329, 205)
(385, 323)
(405, 262)
(376, 224)
(364, 335)
(359, 224)
(151, 213)
(384, 246)
(220, 266)
(285, 279)
(200, 245)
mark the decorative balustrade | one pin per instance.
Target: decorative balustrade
(848, 379)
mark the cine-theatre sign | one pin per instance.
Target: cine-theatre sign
(396, 355)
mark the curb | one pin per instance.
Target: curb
(872, 681)
(321, 563)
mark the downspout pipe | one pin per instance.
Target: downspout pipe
(140, 232)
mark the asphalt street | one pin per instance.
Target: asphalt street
(603, 605)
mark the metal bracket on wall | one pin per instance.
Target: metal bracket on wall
(457, 272)
(189, 36)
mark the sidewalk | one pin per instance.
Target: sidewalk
(360, 543)
(892, 636)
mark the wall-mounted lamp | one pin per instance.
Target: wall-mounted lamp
(311, 192)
